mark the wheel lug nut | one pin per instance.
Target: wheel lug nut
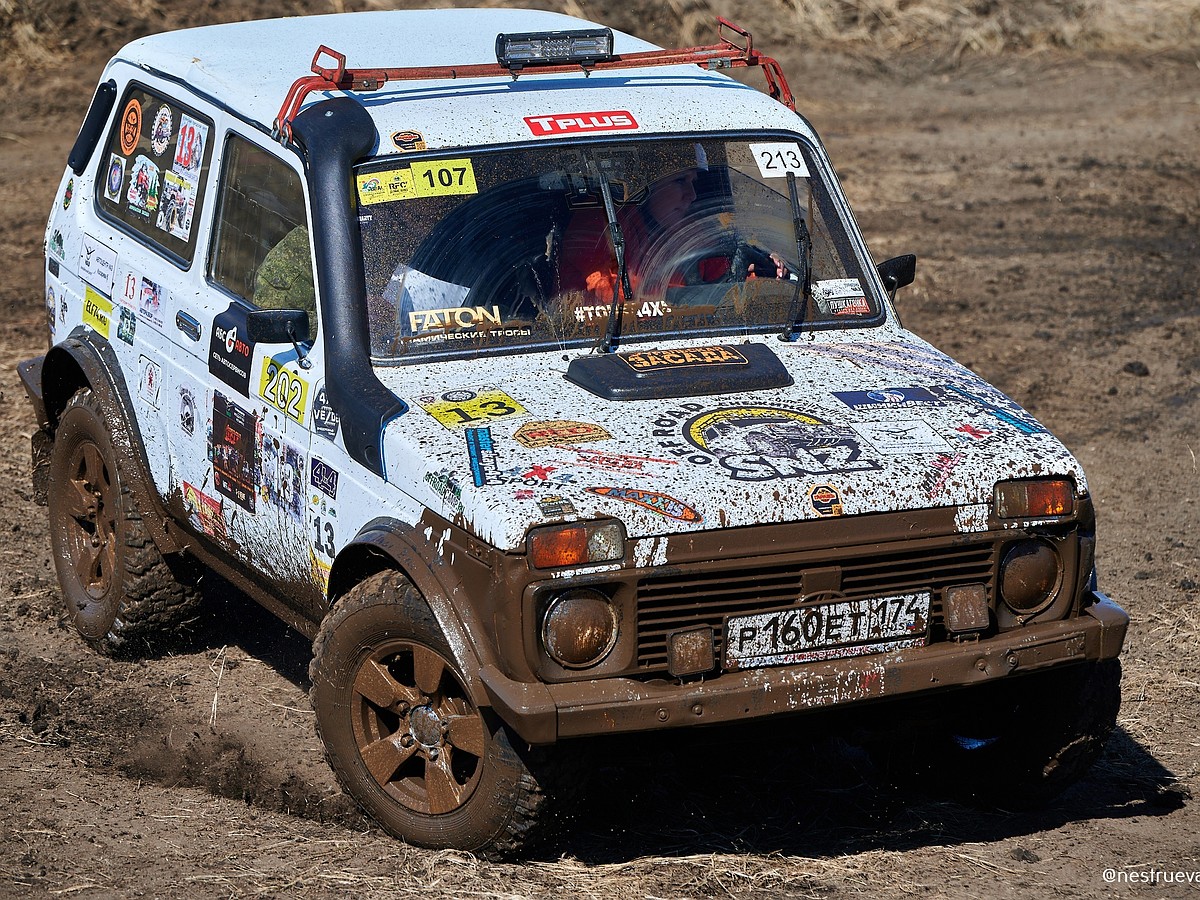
(433, 752)
(407, 740)
(402, 708)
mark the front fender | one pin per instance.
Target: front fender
(389, 543)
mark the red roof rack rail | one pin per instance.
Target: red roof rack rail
(727, 54)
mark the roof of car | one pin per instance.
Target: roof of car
(249, 67)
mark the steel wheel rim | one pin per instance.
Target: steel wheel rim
(87, 513)
(419, 736)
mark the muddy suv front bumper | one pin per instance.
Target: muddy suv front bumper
(543, 713)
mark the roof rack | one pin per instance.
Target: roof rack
(728, 54)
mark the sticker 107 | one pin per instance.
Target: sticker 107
(284, 389)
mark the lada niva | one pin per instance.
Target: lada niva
(542, 377)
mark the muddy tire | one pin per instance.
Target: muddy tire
(1012, 745)
(120, 593)
(403, 734)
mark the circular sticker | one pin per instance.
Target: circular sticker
(160, 134)
(116, 177)
(458, 396)
(131, 126)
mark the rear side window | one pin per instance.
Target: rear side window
(152, 176)
(260, 243)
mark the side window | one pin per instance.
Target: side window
(151, 180)
(260, 247)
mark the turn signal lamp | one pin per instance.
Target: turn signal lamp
(554, 48)
(1034, 499)
(576, 544)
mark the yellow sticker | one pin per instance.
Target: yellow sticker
(435, 178)
(283, 388)
(461, 408)
(97, 311)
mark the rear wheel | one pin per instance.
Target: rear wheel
(1015, 744)
(121, 594)
(403, 734)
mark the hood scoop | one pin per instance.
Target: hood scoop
(679, 372)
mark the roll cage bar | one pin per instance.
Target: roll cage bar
(728, 54)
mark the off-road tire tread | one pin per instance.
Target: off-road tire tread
(527, 819)
(156, 605)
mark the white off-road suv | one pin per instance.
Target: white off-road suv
(544, 379)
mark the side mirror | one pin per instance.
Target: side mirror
(898, 272)
(280, 326)
(277, 326)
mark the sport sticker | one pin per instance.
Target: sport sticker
(761, 443)
(436, 178)
(283, 389)
(468, 406)
(558, 433)
(655, 501)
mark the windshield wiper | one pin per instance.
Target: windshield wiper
(612, 336)
(804, 248)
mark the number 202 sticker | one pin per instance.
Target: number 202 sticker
(778, 158)
(284, 389)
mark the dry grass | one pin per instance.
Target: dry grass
(39, 33)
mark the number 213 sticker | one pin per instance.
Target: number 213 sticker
(778, 158)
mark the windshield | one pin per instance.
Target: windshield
(514, 247)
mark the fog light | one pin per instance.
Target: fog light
(690, 652)
(966, 608)
(1030, 575)
(579, 628)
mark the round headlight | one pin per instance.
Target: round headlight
(579, 628)
(1030, 575)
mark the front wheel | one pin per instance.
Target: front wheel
(403, 734)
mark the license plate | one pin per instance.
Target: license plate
(830, 631)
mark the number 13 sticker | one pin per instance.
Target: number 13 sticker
(776, 159)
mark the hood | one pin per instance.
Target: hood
(874, 421)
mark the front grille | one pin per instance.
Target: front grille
(706, 596)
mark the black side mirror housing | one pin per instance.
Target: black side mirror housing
(277, 326)
(898, 272)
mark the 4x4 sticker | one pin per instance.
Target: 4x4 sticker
(436, 178)
(325, 421)
(284, 389)
(323, 477)
(463, 407)
(97, 312)
(229, 351)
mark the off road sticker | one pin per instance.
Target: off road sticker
(761, 443)
(436, 178)
(283, 389)
(464, 407)
(97, 312)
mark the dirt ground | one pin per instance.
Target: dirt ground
(1054, 203)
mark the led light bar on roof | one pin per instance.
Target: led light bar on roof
(585, 47)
